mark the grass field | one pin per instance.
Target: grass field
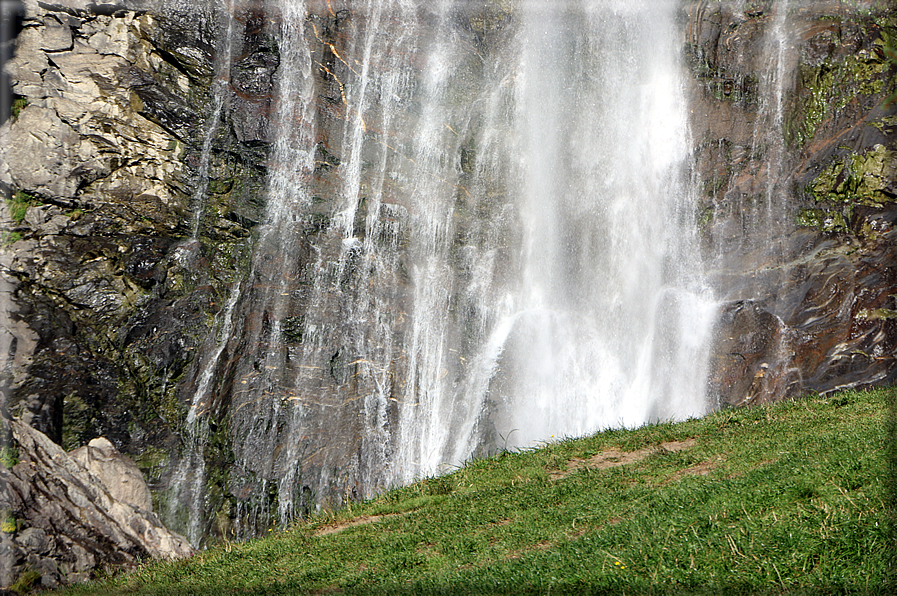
(791, 498)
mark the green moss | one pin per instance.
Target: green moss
(885, 124)
(10, 238)
(705, 216)
(77, 417)
(170, 409)
(9, 456)
(152, 461)
(826, 220)
(889, 49)
(292, 329)
(827, 88)
(877, 314)
(861, 178)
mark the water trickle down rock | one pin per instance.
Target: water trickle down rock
(106, 306)
(796, 318)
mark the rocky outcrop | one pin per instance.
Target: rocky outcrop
(134, 167)
(61, 522)
(112, 263)
(118, 473)
(795, 121)
(130, 196)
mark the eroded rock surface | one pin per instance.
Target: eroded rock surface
(118, 473)
(64, 522)
(113, 263)
(795, 122)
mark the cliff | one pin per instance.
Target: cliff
(798, 225)
(136, 163)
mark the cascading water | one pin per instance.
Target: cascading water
(189, 478)
(612, 319)
(769, 134)
(493, 246)
(603, 320)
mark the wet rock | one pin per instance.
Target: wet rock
(797, 215)
(252, 81)
(747, 355)
(109, 290)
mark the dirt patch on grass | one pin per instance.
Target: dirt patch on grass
(612, 458)
(700, 469)
(358, 521)
(542, 545)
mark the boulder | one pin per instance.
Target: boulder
(64, 521)
(118, 472)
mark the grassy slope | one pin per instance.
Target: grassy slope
(793, 499)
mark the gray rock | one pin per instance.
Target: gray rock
(35, 540)
(46, 156)
(118, 472)
(73, 521)
(56, 37)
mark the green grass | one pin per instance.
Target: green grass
(792, 500)
(18, 205)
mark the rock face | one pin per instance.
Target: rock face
(118, 473)
(794, 115)
(64, 522)
(110, 267)
(135, 170)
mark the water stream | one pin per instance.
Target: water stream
(186, 503)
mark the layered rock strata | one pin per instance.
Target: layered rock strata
(63, 522)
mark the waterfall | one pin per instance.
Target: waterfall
(219, 88)
(485, 239)
(186, 505)
(769, 134)
(600, 317)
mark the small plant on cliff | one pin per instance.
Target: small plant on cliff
(890, 52)
(9, 456)
(17, 106)
(10, 238)
(18, 205)
(8, 523)
(25, 582)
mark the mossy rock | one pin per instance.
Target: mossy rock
(828, 87)
(826, 220)
(868, 178)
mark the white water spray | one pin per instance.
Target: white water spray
(605, 321)
(507, 252)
